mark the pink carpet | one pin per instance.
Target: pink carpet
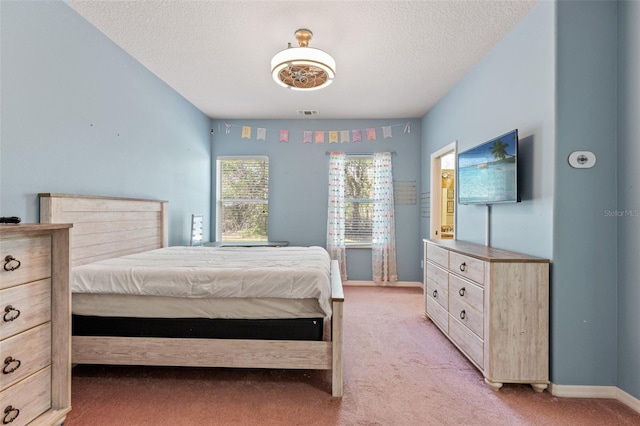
(399, 370)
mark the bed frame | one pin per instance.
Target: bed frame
(107, 227)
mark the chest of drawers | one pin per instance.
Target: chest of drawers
(35, 357)
(494, 306)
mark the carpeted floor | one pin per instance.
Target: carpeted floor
(399, 370)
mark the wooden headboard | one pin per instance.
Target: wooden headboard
(107, 227)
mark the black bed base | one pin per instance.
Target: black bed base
(203, 328)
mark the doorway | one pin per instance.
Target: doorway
(443, 198)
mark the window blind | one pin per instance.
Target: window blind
(358, 199)
(242, 198)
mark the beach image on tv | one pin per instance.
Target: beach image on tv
(487, 173)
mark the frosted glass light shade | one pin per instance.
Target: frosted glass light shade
(303, 68)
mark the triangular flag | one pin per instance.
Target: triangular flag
(319, 136)
(386, 132)
(261, 133)
(306, 136)
(344, 136)
(246, 132)
(357, 135)
(333, 136)
(284, 135)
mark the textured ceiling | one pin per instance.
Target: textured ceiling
(395, 59)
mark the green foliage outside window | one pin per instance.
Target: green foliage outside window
(243, 194)
(359, 199)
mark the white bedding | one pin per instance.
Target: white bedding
(221, 272)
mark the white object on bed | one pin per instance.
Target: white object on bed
(205, 272)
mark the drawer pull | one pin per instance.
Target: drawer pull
(463, 314)
(7, 363)
(7, 260)
(463, 266)
(435, 293)
(462, 291)
(10, 414)
(10, 313)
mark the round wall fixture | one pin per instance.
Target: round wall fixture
(582, 159)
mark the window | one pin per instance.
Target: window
(360, 211)
(242, 199)
(358, 193)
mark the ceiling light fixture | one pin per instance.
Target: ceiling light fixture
(303, 68)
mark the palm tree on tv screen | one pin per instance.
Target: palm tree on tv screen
(499, 150)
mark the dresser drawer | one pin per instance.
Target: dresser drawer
(467, 315)
(34, 255)
(466, 292)
(438, 293)
(466, 266)
(468, 342)
(28, 398)
(437, 275)
(28, 304)
(438, 315)
(438, 255)
(24, 354)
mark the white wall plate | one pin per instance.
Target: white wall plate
(582, 159)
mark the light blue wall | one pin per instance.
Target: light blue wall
(629, 197)
(584, 278)
(79, 115)
(512, 87)
(299, 182)
(573, 85)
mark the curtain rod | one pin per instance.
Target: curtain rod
(358, 153)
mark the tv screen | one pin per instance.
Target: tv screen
(488, 173)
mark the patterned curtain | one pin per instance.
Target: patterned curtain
(383, 239)
(337, 212)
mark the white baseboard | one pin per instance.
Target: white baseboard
(386, 284)
(611, 392)
(628, 400)
(572, 391)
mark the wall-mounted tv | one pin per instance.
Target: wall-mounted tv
(488, 173)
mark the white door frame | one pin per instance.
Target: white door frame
(435, 200)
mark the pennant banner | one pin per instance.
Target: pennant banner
(318, 136)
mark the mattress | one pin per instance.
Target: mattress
(135, 306)
(202, 328)
(227, 274)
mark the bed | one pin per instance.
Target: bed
(270, 328)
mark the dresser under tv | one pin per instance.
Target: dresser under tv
(493, 305)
